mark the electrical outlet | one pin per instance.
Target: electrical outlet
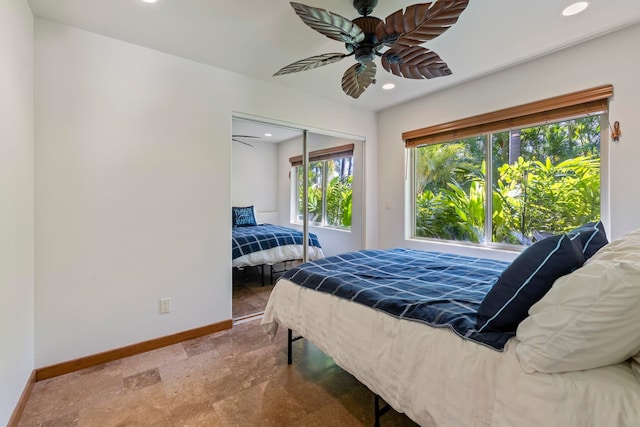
(165, 305)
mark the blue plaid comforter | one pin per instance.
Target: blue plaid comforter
(266, 236)
(439, 289)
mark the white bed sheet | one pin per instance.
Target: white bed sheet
(275, 255)
(439, 379)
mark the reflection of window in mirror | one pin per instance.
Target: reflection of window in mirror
(330, 187)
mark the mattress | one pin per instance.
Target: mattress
(275, 255)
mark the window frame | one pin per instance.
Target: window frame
(574, 104)
(565, 107)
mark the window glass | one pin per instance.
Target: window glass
(545, 179)
(329, 192)
(449, 190)
(339, 192)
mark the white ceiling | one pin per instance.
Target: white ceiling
(258, 37)
(252, 132)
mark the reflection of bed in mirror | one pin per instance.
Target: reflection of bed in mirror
(263, 245)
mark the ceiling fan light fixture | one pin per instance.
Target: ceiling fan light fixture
(575, 8)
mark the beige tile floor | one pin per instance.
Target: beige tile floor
(237, 377)
(249, 295)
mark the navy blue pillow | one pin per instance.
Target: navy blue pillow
(243, 216)
(589, 237)
(527, 279)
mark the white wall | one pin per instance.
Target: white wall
(606, 60)
(254, 176)
(133, 192)
(16, 202)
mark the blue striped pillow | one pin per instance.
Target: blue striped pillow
(590, 237)
(525, 281)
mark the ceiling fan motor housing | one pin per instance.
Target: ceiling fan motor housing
(365, 7)
(365, 51)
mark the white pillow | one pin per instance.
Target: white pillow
(588, 319)
(626, 248)
(635, 365)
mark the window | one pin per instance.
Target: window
(542, 178)
(329, 195)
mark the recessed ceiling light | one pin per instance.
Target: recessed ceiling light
(575, 8)
(388, 86)
(268, 134)
(149, 1)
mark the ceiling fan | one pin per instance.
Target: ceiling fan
(235, 138)
(396, 40)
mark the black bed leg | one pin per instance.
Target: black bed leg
(379, 412)
(262, 274)
(289, 347)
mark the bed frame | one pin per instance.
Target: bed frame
(272, 271)
(378, 410)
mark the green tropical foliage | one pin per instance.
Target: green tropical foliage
(314, 193)
(551, 187)
(542, 197)
(329, 203)
(339, 194)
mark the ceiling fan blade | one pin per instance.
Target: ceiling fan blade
(311, 63)
(245, 136)
(415, 62)
(358, 78)
(330, 24)
(242, 142)
(420, 22)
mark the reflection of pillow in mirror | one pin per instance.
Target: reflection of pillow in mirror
(590, 237)
(588, 319)
(243, 216)
(626, 248)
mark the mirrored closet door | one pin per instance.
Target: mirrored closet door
(269, 163)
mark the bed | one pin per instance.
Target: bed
(260, 245)
(270, 244)
(573, 360)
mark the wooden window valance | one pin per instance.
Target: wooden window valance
(572, 105)
(325, 154)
